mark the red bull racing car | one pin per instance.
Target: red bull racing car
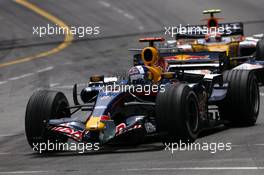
(162, 96)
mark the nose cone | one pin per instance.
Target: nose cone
(94, 124)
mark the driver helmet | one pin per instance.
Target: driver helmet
(139, 75)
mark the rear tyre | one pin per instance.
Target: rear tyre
(241, 106)
(260, 50)
(177, 114)
(44, 105)
(260, 57)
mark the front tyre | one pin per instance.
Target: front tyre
(44, 105)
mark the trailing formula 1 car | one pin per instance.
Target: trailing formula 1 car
(224, 37)
(159, 98)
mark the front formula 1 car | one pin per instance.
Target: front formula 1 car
(158, 98)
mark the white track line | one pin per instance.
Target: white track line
(8, 135)
(21, 76)
(24, 172)
(154, 169)
(195, 168)
(262, 94)
(27, 75)
(15, 153)
(3, 82)
(118, 10)
(67, 86)
(63, 87)
(54, 85)
(4, 153)
(248, 145)
(45, 69)
(106, 4)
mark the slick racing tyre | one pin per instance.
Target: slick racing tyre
(260, 57)
(241, 106)
(260, 50)
(42, 106)
(177, 113)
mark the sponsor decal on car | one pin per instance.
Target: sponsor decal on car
(77, 135)
(187, 57)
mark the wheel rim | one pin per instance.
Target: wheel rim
(192, 115)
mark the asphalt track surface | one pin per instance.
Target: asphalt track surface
(121, 23)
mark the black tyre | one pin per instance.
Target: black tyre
(42, 106)
(260, 50)
(241, 106)
(260, 57)
(177, 113)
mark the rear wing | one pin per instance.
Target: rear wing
(189, 60)
(197, 31)
(194, 57)
(196, 61)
